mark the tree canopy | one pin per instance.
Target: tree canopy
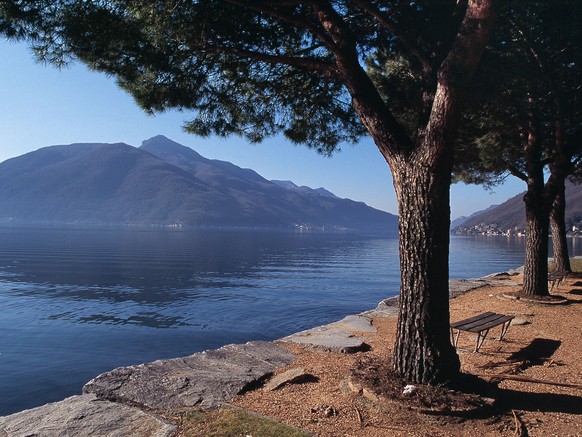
(528, 80)
(250, 68)
(258, 68)
(525, 119)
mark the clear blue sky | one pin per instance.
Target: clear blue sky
(42, 106)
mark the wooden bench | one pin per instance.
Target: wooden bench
(556, 278)
(480, 324)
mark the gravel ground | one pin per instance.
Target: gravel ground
(544, 344)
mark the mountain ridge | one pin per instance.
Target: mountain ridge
(165, 183)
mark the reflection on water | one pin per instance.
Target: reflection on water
(79, 302)
(480, 255)
(171, 279)
(76, 303)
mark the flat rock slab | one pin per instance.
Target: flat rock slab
(504, 283)
(330, 340)
(205, 379)
(336, 337)
(519, 321)
(84, 416)
(460, 286)
(385, 308)
(291, 376)
(355, 323)
(551, 299)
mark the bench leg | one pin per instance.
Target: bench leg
(480, 339)
(455, 338)
(555, 282)
(552, 285)
(504, 329)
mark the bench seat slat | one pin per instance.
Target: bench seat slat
(490, 324)
(484, 321)
(471, 319)
(470, 324)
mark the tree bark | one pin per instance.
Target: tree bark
(538, 201)
(535, 273)
(423, 352)
(422, 177)
(558, 227)
(421, 170)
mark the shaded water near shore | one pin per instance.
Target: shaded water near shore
(78, 302)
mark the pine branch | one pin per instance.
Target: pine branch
(304, 63)
(397, 31)
(285, 17)
(366, 99)
(545, 70)
(517, 173)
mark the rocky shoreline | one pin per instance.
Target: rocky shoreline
(129, 400)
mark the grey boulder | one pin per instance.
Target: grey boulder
(205, 379)
(84, 416)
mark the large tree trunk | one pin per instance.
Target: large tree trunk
(423, 351)
(421, 169)
(422, 178)
(558, 226)
(538, 201)
(535, 273)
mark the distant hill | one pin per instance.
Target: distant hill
(165, 183)
(510, 215)
(461, 220)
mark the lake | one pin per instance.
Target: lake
(79, 302)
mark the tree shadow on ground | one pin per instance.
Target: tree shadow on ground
(543, 402)
(536, 352)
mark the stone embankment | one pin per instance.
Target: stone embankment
(124, 401)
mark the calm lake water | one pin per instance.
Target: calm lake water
(76, 303)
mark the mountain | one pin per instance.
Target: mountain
(165, 183)
(509, 217)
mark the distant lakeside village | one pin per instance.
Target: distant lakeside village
(494, 229)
